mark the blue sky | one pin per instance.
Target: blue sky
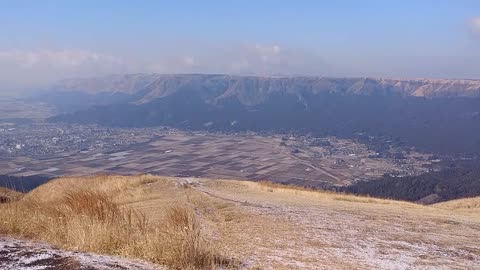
(42, 41)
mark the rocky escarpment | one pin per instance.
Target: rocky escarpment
(414, 112)
(251, 90)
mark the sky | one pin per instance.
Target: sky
(45, 41)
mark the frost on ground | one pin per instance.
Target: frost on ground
(287, 230)
(268, 226)
(26, 255)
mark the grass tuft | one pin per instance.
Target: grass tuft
(464, 203)
(9, 195)
(93, 204)
(93, 219)
(186, 242)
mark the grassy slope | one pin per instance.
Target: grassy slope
(9, 195)
(305, 228)
(466, 204)
(267, 226)
(92, 214)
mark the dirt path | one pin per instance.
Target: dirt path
(312, 166)
(291, 231)
(263, 226)
(18, 254)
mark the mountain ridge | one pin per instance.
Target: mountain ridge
(413, 111)
(253, 90)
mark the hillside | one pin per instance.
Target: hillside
(252, 90)
(7, 195)
(408, 111)
(431, 187)
(460, 204)
(244, 225)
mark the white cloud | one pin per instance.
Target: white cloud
(189, 61)
(241, 64)
(35, 67)
(31, 67)
(267, 49)
(54, 58)
(261, 59)
(268, 59)
(474, 25)
(268, 53)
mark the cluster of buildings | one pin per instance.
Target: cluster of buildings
(42, 140)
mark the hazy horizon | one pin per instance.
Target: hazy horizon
(49, 41)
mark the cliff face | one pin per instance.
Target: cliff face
(433, 115)
(255, 90)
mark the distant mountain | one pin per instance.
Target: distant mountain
(432, 115)
(127, 84)
(252, 90)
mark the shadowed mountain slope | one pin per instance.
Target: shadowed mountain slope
(432, 115)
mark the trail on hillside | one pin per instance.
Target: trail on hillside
(270, 226)
(310, 233)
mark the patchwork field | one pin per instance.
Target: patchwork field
(249, 157)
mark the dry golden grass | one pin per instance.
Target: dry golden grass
(340, 222)
(320, 194)
(466, 203)
(193, 223)
(9, 195)
(88, 214)
(122, 188)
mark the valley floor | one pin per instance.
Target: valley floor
(269, 226)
